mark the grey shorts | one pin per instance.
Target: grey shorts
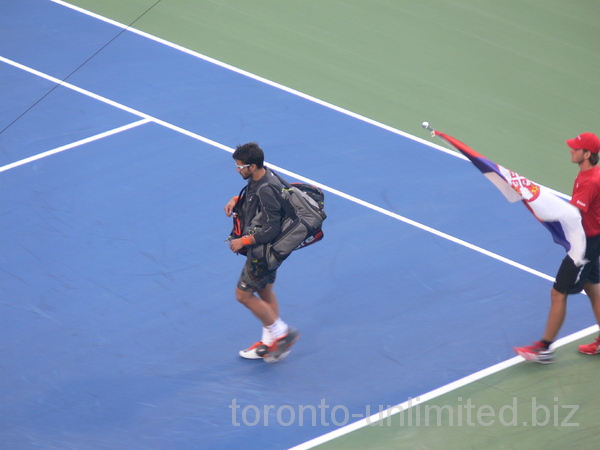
(254, 277)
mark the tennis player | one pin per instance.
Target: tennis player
(571, 279)
(262, 216)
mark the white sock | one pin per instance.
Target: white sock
(267, 337)
(278, 329)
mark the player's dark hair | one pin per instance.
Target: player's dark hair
(250, 153)
(594, 159)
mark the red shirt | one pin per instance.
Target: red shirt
(586, 197)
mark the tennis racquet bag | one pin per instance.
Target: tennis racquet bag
(304, 206)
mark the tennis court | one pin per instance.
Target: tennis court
(119, 327)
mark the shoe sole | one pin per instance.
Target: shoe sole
(541, 362)
(530, 358)
(255, 356)
(591, 354)
(272, 359)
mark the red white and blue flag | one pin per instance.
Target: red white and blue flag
(562, 219)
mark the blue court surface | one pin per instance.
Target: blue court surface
(119, 327)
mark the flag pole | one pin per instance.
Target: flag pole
(428, 127)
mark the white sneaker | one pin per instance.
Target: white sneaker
(255, 351)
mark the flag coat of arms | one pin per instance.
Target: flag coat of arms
(562, 219)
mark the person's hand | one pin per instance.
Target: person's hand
(229, 206)
(236, 245)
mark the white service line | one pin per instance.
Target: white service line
(196, 136)
(74, 144)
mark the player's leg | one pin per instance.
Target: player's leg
(283, 336)
(592, 289)
(254, 279)
(248, 284)
(261, 309)
(540, 351)
(593, 292)
(276, 334)
(556, 315)
(569, 279)
(268, 295)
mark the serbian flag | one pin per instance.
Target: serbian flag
(562, 219)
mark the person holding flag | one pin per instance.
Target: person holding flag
(572, 277)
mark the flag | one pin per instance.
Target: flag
(562, 219)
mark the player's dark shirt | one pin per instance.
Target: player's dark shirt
(262, 209)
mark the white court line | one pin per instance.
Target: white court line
(73, 145)
(272, 83)
(256, 77)
(73, 87)
(284, 171)
(433, 394)
(416, 224)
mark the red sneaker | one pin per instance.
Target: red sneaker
(591, 349)
(537, 352)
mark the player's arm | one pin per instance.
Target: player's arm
(230, 205)
(237, 244)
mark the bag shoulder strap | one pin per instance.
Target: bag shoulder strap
(285, 183)
(240, 199)
(285, 204)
